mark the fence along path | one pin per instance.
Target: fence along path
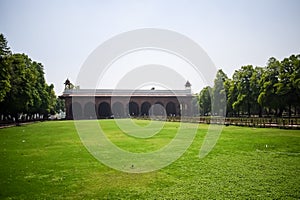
(290, 123)
(262, 122)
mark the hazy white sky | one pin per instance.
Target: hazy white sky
(62, 34)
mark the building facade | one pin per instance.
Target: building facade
(104, 103)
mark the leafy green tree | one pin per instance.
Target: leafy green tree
(20, 97)
(204, 100)
(268, 98)
(59, 105)
(219, 94)
(23, 89)
(48, 101)
(244, 89)
(52, 99)
(295, 78)
(230, 90)
(296, 74)
(255, 90)
(285, 88)
(4, 48)
(38, 88)
(4, 68)
(244, 98)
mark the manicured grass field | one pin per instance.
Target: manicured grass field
(48, 161)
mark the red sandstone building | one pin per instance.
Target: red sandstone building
(104, 103)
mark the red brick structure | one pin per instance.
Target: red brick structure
(103, 103)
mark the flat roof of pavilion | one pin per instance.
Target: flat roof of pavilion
(123, 92)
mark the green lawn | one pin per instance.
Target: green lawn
(48, 161)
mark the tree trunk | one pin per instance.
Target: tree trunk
(249, 108)
(259, 111)
(280, 112)
(16, 116)
(290, 110)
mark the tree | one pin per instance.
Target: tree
(268, 97)
(52, 99)
(4, 68)
(296, 74)
(22, 80)
(295, 78)
(23, 89)
(204, 100)
(244, 91)
(231, 95)
(38, 89)
(286, 87)
(219, 94)
(59, 105)
(4, 48)
(255, 89)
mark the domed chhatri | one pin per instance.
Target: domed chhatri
(188, 84)
(67, 84)
(188, 87)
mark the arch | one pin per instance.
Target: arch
(75, 111)
(89, 111)
(133, 108)
(118, 110)
(171, 108)
(104, 110)
(145, 108)
(158, 110)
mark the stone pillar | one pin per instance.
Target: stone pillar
(68, 104)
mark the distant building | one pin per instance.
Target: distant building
(105, 103)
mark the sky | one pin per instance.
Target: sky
(62, 34)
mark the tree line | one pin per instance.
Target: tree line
(24, 93)
(273, 90)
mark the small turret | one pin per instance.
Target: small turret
(188, 86)
(69, 85)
